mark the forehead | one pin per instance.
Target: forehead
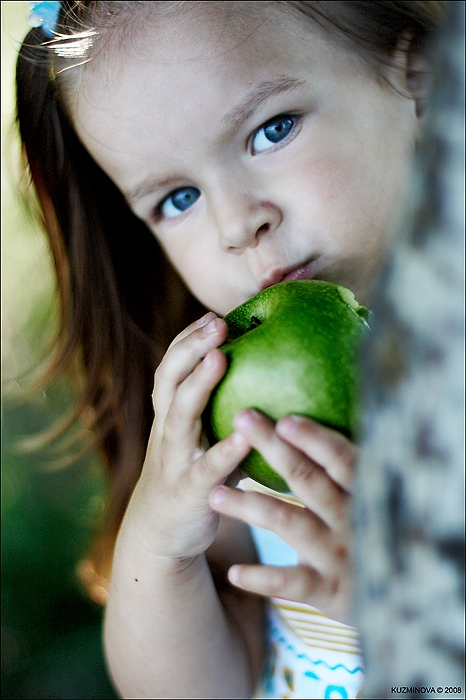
(168, 33)
(184, 67)
(197, 39)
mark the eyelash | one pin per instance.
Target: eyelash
(295, 119)
(158, 209)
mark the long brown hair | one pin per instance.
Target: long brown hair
(121, 303)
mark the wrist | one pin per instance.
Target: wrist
(136, 544)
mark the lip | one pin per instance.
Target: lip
(305, 271)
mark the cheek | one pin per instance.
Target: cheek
(351, 204)
(200, 273)
(334, 194)
(359, 195)
(191, 265)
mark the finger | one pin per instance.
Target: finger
(199, 323)
(183, 421)
(329, 448)
(298, 583)
(181, 359)
(331, 595)
(299, 527)
(307, 480)
(215, 465)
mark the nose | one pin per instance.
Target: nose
(242, 221)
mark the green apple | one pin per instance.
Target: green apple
(292, 348)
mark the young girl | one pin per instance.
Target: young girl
(215, 147)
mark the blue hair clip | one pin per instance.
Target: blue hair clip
(44, 15)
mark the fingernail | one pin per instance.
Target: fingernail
(246, 418)
(287, 425)
(238, 440)
(233, 574)
(205, 319)
(211, 327)
(218, 495)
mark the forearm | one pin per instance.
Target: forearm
(166, 631)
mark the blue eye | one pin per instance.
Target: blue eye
(178, 202)
(273, 131)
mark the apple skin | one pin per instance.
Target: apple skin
(292, 348)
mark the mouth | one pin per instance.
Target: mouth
(306, 271)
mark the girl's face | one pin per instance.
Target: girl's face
(253, 146)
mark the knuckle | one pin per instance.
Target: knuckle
(333, 586)
(175, 416)
(278, 580)
(205, 470)
(303, 470)
(226, 449)
(294, 583)
(340, 555)
(180, 360)
(161, 374)
(305, 583)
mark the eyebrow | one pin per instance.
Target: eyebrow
(147, 186)
(241, 113)
(257, 96)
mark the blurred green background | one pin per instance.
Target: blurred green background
(51, 631)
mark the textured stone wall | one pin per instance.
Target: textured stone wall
(409, 504)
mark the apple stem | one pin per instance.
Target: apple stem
(254, 322)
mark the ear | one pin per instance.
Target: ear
(412, 72)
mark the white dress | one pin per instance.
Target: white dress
(309, 654)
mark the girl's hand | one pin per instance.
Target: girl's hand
(317, 464)
(170, 508)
